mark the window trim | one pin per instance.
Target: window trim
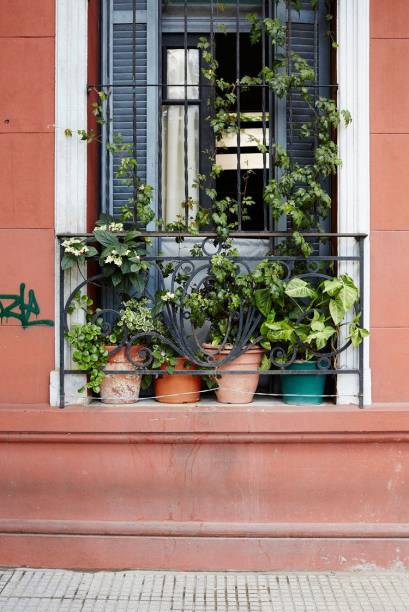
(353, 178)
(354, 175)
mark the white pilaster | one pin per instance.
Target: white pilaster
(70, 153)
(353, 177)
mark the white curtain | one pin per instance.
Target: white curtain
(173, 135)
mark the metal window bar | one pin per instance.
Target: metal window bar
(289, 67)
(185, 114)
(263, 111)
(271, 126)
(238, 113)
(134, 106)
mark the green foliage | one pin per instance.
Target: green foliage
(163, 355)
(121, 260)
(89, 353)
(294, 191)
(135, 317)
(221, 297)
(299, 315)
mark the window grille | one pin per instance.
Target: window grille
(138, 38)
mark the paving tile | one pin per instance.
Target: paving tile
(26, 590)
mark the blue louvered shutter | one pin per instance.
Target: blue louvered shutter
(124, 37)
(308, 37)
(311, 43)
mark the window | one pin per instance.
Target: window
(160, 99)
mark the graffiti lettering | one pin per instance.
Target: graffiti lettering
(22, 310)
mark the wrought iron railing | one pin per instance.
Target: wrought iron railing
(185, 340)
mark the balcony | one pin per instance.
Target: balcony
(178, 269)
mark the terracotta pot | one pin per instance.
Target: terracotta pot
(121, 388)
(178, 388)
(233, 388)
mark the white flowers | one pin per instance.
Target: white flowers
(116, 258)
(111, 227)
(168, 296)
(75, 247)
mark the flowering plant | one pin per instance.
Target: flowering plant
(76, 251)
(120, 259)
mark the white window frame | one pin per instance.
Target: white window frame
(353, 176)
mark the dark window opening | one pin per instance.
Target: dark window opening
(252, 133)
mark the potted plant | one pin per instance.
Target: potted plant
(302, 325)
(126, 353)
(223, 301)
(171, 387)
(117, 351)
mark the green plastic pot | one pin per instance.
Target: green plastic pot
(303, 389)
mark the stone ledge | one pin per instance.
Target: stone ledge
(206, 418)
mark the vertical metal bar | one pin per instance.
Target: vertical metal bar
(105, 192)
(61, 331)
(212, 49)
(238, 111)
(134, 107)
(316, 47)
(210, 182)
(263, 111)
(160, 110)
(270, 124)
(185, 124)
(212, 93)
(316, 92)
(289, 69)
(361, 308)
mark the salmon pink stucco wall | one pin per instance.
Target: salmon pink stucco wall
(27, 84)
(389, 200)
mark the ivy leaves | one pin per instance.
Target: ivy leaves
(306, 317)
(89, 352)
(343, 293)
(299, 288)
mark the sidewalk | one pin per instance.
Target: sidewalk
(27, 590)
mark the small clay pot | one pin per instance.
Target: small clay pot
(121, 388)
(178, 388)
(236, 388)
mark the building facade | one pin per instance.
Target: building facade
(267, 486)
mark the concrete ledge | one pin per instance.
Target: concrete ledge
(203, 554)
(206, 417)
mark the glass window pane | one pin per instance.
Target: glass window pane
(175, 69)
(173, 161)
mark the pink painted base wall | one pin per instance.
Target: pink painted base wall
(257, 488)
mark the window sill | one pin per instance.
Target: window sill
(149, 419)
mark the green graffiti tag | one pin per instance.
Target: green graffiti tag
(22, 310)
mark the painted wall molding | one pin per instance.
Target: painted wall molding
(71, 52)
(354, 175)
(203, 529)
